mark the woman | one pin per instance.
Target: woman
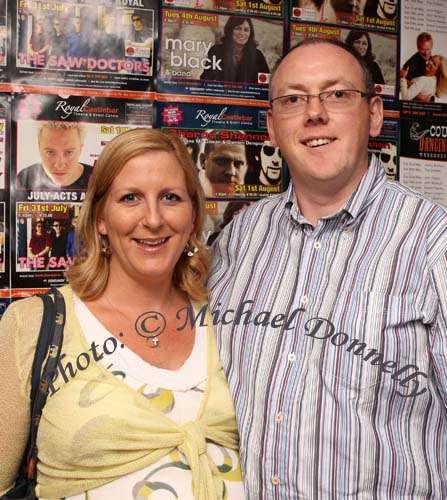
(240, 60)
(426, 88)
(134, 408)
(360, 41)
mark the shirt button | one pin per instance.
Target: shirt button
(291, 357)
(278, 417)
(275, 480)
(304, 300)
(317, 245)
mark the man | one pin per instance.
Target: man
(384, 9)
(140, 35)
(71, 249)
(39, 246)
(332, 301)
(58, 244)
(417, 63)
(60, 145)
(107, 44)
(222, 163)
(77, 44)
(138, 44)
(270, 165)
(59, 41)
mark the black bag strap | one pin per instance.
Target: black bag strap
(49, 345)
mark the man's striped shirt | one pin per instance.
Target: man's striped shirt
(334, 340)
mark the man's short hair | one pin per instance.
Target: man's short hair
(424, 37)
(367, 77)
(210, 144)
(53, 125)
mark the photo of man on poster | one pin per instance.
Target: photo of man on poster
(107, 44)
(270, 165)
(382, 9)
(222, 164)
(60, 145)
(39, 246)
(417, 63)
(139, 41)
(78, 45)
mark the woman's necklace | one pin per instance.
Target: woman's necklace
(149, 325)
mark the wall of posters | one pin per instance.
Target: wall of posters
(93, 68)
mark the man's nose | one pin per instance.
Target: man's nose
(59, 161)
(315, 110)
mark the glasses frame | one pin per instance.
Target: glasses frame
(322, 96)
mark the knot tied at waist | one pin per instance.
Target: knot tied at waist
(207, 484)
(195, 437)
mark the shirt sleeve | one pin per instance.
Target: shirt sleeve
(439, 343)
(223, 247)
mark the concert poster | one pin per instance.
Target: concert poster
(271, 8)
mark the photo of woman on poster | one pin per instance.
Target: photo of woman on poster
(428, 87)
(241, 60)
(360, 41)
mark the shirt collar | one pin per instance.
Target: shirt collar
(363, 196)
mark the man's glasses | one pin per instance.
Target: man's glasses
(56, 225)
(136, 19)
(332, 100)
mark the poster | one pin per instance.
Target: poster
(4, 196)
(219, 214)
(379, 50)
(375, 14)
(423, 165)
(230, 146)
(58, 140)
(84, 45)
(273, 8)
(423, 94)
(195, 58)
(4, 40)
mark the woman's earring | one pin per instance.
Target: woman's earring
(106, 251)
(190, 250)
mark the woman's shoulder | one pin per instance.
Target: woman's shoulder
(28, 312)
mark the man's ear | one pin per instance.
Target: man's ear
(376, 116)
(270, 129)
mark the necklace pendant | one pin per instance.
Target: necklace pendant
(154, 342)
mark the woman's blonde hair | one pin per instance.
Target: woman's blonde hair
(89, 273)
(441, 76)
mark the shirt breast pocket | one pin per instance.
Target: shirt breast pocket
(365, 342)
